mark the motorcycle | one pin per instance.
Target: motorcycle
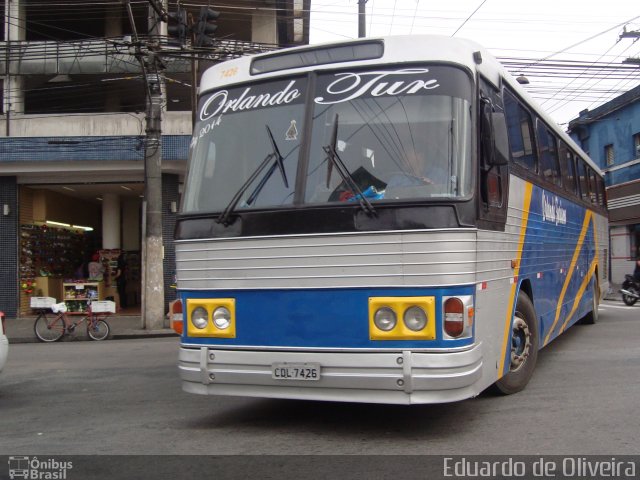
(630, 290)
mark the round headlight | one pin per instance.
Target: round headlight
(222, 317)
(385, 319)
(199, 317)
(415, 318)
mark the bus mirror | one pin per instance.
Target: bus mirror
(501, 141)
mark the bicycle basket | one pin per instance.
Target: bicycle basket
(103, 306)
(41, 302)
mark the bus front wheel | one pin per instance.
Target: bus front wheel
(524, 348)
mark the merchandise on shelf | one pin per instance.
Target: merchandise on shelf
(77, 295)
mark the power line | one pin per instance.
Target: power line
(468, 18)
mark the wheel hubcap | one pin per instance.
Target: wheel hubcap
(520, 343)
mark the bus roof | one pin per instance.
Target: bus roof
(396, 49)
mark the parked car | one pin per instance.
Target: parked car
(4, 343)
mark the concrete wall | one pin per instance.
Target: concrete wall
(621, 261)
(174, 123)
(263, 27)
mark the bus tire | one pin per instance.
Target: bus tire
(525, 339)
(592, 317)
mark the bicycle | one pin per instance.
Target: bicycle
(51, 327)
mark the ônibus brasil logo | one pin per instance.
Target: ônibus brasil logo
(38, 469)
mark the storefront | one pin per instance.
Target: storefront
(70, 239)
(98, 206)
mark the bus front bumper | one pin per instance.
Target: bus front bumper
(400, 377)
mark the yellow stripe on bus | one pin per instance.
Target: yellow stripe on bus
(572, 267)
(583, 287)
(523, 230)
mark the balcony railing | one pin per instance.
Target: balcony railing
(104, 56)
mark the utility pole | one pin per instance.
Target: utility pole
(151, 64)
(153, 302)
(152, 246)
(362, 28)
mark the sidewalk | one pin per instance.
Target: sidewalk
(614, 292)
(20, 330)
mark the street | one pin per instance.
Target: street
(124, 397)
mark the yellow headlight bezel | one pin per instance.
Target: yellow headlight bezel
(210, 304)
(399, 305)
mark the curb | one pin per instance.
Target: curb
(124, 335)
(129, 334)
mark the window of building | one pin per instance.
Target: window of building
(608, 155)
(549, 167)
(636, 145)
(520, 130)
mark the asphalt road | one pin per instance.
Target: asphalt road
(124, 397)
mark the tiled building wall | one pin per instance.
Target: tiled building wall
(9, 246)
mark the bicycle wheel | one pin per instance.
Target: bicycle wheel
(49, 329)
(98, 330)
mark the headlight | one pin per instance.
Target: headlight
(199, 317)
(385, 319)
(222, 318)
(415, 318)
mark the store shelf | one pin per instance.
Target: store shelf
(77, 295)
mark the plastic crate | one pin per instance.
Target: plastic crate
(41, 302)
(103, 306)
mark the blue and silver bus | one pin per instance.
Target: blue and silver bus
(386, 220)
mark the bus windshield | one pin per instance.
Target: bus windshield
(386, 134)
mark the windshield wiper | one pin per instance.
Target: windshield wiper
(279, 163)
(343, 171)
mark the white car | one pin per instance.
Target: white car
(4, 345)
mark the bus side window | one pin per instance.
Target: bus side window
(493, 172)
(593, 186)
(549, 168)
(583, 180)
(520, 130)
(602, 198)
(568, 169)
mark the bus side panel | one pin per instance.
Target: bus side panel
(557, 254)
(497, 284)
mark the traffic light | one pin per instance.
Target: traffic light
(179, 29)
(205, 27)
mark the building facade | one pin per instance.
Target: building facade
(72, 133)
(610, 134)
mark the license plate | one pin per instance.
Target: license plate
(296, 371)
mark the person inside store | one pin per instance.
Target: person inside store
(96, 269)
(121, 280)
(80, 273)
